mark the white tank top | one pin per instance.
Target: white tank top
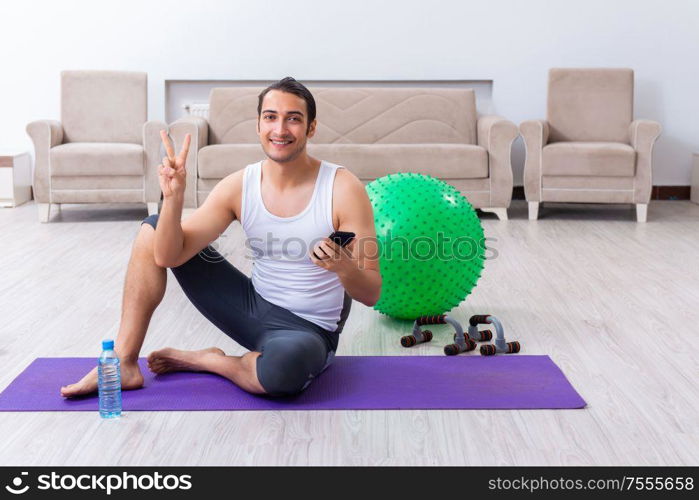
(282, 270)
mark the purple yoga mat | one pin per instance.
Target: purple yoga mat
(351, 382)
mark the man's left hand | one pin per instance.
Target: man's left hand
(333, 257)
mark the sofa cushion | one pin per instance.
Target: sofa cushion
(357, 115)
(590, 104)
(366, 161)
(97, 158)
(97, 182)
(370, 161)
(589, 159)
(219, 160)
(104, 106)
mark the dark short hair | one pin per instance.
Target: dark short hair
(291, 86)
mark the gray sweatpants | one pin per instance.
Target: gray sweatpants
(294, 350)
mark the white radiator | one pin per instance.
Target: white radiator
(197, 109)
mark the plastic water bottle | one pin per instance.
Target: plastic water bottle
(109, 381)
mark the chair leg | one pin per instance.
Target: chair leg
(501, 212)
(533, 210)
(44, 211)
(641, 212)
(152, 208)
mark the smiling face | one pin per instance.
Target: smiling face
(283, 126)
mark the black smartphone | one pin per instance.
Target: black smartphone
(342, 238)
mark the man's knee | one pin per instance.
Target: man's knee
(151, 220)
(286, 367)
(144, 242)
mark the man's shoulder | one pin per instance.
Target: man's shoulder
(347, 190)
(235, 179)
(352, 208)
(345, 179)
(232, 187)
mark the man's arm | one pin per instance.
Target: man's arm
(362, 281)
(176, 242)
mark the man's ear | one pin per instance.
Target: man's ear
(257, 125)
(312, 129)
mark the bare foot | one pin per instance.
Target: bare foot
(131, 378)
(173, 360)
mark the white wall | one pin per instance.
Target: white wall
(511, 42)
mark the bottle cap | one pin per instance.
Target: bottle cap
(107, 345)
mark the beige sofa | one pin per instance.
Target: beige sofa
(371, 131)
(589, 149)
(103, 150)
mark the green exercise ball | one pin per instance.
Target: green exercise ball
(431, 245)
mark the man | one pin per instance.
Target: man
(290, 314)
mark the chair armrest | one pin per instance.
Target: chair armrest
(151, 146)
(496, 135)
(45, 134)
(643, 133)
(199, 129)
(642, 137)
(536, 135)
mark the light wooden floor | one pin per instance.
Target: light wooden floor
(613, 302)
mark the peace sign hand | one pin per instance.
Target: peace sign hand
(172, 171)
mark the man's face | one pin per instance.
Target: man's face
(282, 126)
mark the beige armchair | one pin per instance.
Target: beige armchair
(589, 149)
(371, 131)
(103, 150)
